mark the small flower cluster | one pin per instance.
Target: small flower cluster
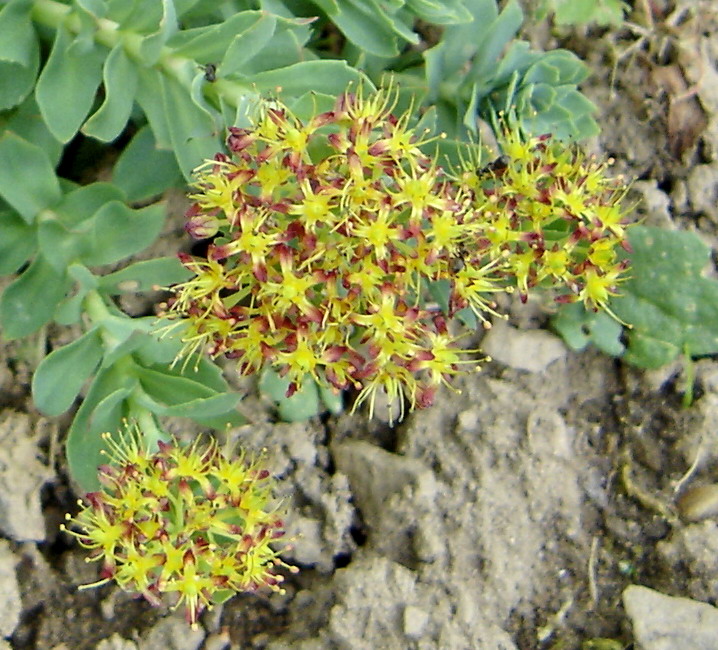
(553, 217)
(327, 233)
(182, 521)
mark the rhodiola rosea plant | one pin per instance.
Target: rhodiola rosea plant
(349, 227)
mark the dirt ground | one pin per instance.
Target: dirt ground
(520, 513)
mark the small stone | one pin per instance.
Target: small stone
(415, 620)
(22, 476)
(10, 605)
(663, 622)
(531, 350)
(116, 642)
(173, 633)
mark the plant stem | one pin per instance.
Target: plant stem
(97, 310)
(147, 424)
(54, 15)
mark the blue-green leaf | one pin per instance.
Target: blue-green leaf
(17, 242)
(142, 170)
(62, 373)
(303, 405)
(110, 388)
(67, 85)
(19, 54)
(151, 102)
(191, 131)
(209, 44)
(27, 179)
(27, 122)
(120, 81)
(18, 41)
(29, 302)
(328, 77)
(152, 44)
(70, 310)
(143, 276)
(247, 44)
(118, 232)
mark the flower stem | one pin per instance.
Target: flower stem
(97, 310)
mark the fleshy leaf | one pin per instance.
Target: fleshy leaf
(27, 178)
(120, 81)
(142, 276)
(142, 170)
(67, 85)
(29, 301)
(61, 374)
(17, 242)
(671, 306)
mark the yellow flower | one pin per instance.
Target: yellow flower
(207, 530)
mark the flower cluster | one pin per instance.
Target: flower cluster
(184, 521)
(552, 217)
(327, 233)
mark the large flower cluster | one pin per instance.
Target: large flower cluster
(327, 233)
(184, 521)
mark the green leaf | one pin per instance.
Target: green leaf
(62, 373)
(366, 24)
(171, 394)
(328, 77)
(247, 44)
(150, 79)
(19, 53)
(17, 242)
(27, 179)
(669, 303)
(440, 12)
(143, 276)
(18, 41)
(120, 82)
(304, 404)
(152, 44)
(580, 327)
(17, 80)
(286, 48)
(110, 389)
(206, 373)
(66, 236)
(142, 170)
(27, 122)
(67, 85)
(29, 301)
(496, 37)
(331, 398)
(208, 44)
(80, 204)
(119, 231)
(191, 131)
(70, 310)
(214, 406)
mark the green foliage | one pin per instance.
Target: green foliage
(479, 69)
(310, 400)
(130, 81)
(671, 308)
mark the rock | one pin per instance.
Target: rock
(531, 350)
(116, 642)
(693, 549)
(375, 603)
(22, 476)
(173, 633)
(10, 604)
(663, 622)
(396, 497)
